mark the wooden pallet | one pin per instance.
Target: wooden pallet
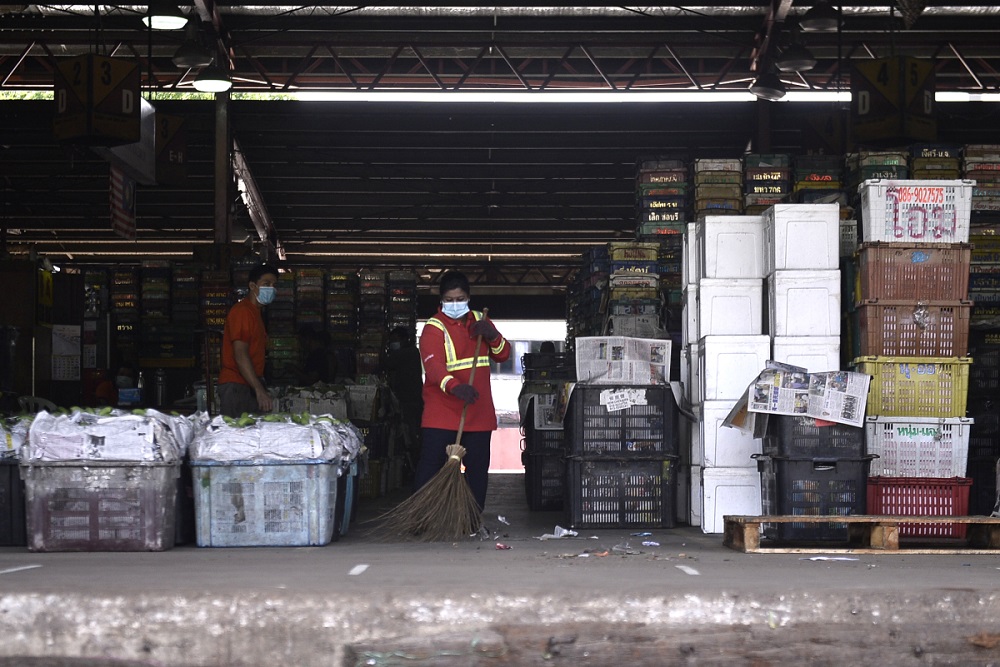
(869, 535)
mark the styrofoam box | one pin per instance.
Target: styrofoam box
(801, 236)
(682, 499)
(697, 390)
(689, 315)
(685, 371)
(718, 492)
(731, 246)
(916, 211)
(722, 446)
(804, 303)
(815, 353)
(691, 270)
(728, 364)
(730, 307)
(695, 505)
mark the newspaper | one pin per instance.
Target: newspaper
(622, 360)
(836, 396)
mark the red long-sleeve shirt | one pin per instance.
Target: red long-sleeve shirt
(446, 366)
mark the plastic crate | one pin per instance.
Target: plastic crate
(800, 437)
(924, 271)
(916, 211)
(927, 496)
(984, 375)
(916, 386)
(100, 505)
(546, 360)
(638, 430)
(275, 503)
(914, 447)
(544, 481)
(913, 329)
(542, 441)
(12, 521)
(811, 487)
(631, 251)
(621, 493)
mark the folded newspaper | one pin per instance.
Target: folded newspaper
(622, 360)
(783, 389)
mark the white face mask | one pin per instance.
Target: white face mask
(455, 309)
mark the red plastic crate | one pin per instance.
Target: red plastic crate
(914, 329)
(912, 271)
(921, 496)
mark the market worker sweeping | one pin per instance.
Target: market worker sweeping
(448, 346)
(244, 342)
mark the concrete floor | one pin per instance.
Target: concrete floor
(595, 599)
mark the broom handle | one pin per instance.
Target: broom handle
(472, 376)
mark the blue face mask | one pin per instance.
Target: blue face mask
(455, 309)
(265, 295)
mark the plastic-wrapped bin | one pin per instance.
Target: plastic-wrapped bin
(916, 211)
(804, 303)
(12, 524)
(800, 437)
(621, 493)
(810, 487)
(914, 271)
(100, 505)
(921, 496)
(272, 504)
(916, 386)
(918, 447)
(641, 429)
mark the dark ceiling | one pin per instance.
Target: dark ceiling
(521, 189)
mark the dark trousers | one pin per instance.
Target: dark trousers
(477, 458)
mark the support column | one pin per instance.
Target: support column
(223, 172)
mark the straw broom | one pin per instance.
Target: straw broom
(443, 509)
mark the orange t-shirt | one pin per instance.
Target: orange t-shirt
(243, 323)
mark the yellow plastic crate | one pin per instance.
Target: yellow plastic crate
(916, 386)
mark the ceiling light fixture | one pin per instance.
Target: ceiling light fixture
(164, 15)
(821, 17)
(192, 53)
(768, 86)
(213, 79)
(795, 58)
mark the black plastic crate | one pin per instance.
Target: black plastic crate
(544, 441)
(621, 493)
(638, 430)
(13, 529)
(550, 374)
(544, 481)
(983, 494)
(801, 437)
(810, 487)
(539, 360)
(984, 433)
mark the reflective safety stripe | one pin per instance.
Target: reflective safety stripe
(498, 348)
(444, 383)
(451, 360)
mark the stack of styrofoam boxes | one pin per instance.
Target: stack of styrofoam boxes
(724, 350)
(913, 327)
(767, 180)
(717, 187)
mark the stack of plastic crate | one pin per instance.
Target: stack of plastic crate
(125, 312)
(282, 336)
(869, 165)
(633, 265)
(309, 302)
(981, 163)
(216, 298)
(341, 298)
(912, 332)
(543, 448)
(767, 180)
(662, 189)
(402, 301)
(718, 187)
(164, 343)
(185, 292)
(622, 457)
(807, 469)
(724, 348)
(817, 179)
(935, 162)
(372, 287)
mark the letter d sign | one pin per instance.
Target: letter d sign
(128, 101)
(864, 102)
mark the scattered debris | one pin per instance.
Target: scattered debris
(650, 543)
(502, 519)
(558, 533)
(503, 547)
(829, 558)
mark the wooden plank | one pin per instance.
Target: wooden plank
(902, 551)
(863, 518)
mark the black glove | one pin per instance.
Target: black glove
(485, 329)
(466, 392)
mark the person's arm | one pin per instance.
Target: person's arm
(241, 352)
(432, 355)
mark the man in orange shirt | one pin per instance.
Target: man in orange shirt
(447, 348)
(244, 343)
